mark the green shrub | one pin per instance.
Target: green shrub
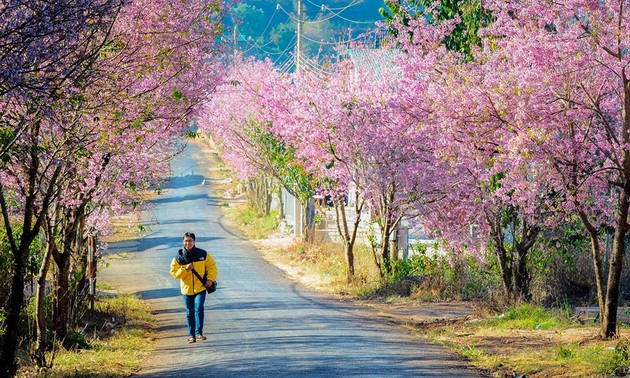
(528, 316)
(75, 340)
(566, 352)
(620, 360)
(3, 318)
(255, 225)
(443, 276)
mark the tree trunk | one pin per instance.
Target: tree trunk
(385, 234)
(394, 244)
(16, 297)
(81, 265)
(258, 195)
(611, 304)
(31, 223)
(309, 220)
(267, 197)
(281, 214)
(608, 296)
(62, 294)
(505, 260)
(609, 316)
(348, 251)
(40, 310)
(389, 223)
(522, 276)
(505, 268)
(348, 236)
(597, 263)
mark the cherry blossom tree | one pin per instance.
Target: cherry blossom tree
(96, 119)
(241, 120)
(569, 63)
(547, 97)
(347, 135)
(339, 128)
(32, 77)
(467, 114)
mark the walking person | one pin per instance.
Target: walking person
(192, 266)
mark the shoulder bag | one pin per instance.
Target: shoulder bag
(210, 289)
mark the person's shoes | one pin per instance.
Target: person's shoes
(191, 340)
(201, 338)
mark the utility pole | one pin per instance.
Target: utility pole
(298, 47)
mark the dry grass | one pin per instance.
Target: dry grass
(118, 336)
(125, 227)
(568, 352)
(321, 265)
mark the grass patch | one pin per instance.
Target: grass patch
(528, 317)
(533, 341)
(118, 338)
(253, 225)
(104, 286)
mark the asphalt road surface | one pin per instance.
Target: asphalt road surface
(258, 323)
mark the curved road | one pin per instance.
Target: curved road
(258, 323)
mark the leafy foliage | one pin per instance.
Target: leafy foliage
(470, 14)
(618, 364)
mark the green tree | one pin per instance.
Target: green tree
(282, 164)
(464, 36)
(249, 20)
(282, 35)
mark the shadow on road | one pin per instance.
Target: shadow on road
(156, 243)
(158, 293)
(229, 230)
(180, 199)
(184, 181)
(182, 220)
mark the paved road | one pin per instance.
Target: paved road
(258, 323)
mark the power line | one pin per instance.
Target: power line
(288, 65)
(297, 19)
(266, 27)
(320, 74)
(269, 23)
(360, 37)
(290, 45)
(314, 67)
(275, 62)
(353, 21)
(255, 45)
(296, 60)
(352, 3)
(376, 60)
(330, 17)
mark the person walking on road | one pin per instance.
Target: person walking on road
(186, 262)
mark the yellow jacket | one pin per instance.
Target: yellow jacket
(203, 263)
